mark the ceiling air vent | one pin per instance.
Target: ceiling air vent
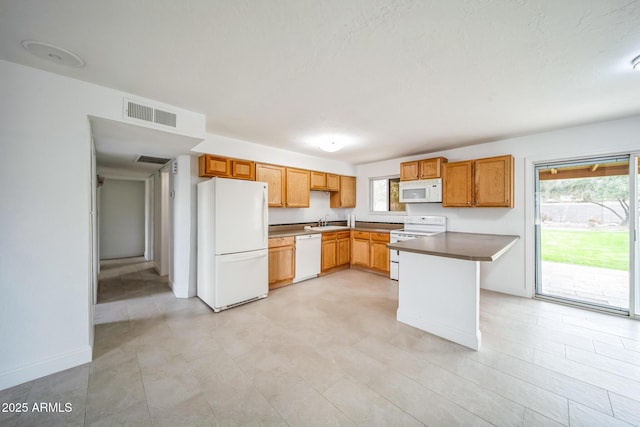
(150, 114)
(152, 160)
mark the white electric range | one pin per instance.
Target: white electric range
(415, 227)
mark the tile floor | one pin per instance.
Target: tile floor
(330, 352)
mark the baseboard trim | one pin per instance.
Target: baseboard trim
(51, 365)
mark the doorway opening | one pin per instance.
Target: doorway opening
(584, 220)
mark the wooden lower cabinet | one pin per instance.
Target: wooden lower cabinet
(335, 250)
(379, 252)
(282, 257)
(360, 249)
(329, 251)
(344, 248)
(369, 250)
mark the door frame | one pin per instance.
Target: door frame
(530, 228)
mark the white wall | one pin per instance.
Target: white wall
(122, 225)
(318, 208)
(45, 275)
(184, 228)
(512, 273)
(149, 226)
(229, 147)
(319, 202)
(161, 221)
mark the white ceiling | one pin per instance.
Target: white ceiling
(393, 78)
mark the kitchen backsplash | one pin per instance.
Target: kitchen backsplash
(319, 208)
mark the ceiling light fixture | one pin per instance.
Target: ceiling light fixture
(330, 146)
(53, 53)
(635, 63)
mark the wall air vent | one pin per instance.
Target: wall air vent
(140, 112)
(149, 114)
(164, 118)
(152, 160)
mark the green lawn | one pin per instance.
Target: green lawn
(605, 249)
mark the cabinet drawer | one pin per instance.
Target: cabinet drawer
(277, 242)
(361, 235)
(329, 236)
(344, 234)
(380, 237)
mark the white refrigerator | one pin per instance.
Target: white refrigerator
(233, 232)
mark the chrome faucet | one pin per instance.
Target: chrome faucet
(322, 222)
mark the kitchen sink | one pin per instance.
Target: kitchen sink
(329, 228)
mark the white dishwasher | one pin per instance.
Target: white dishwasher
(308, 247)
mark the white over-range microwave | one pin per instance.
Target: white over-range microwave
(421, 191)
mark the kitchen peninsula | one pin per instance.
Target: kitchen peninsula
(439, 286)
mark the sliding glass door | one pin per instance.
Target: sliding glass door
(584, 214)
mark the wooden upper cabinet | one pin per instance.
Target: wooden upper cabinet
(243, 169)
(409, 171)
(494, 182)
(457, 184)
(325, 181)
(275, 177)
(333, 182)
(431, 168)
(346, 196)
(422, 169)
(478, 183)
(318, 180)
(210, 166)
(297, 188)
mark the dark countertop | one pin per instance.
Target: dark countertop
(298, 230)
(464, 246)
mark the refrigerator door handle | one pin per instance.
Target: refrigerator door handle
(264, 217)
